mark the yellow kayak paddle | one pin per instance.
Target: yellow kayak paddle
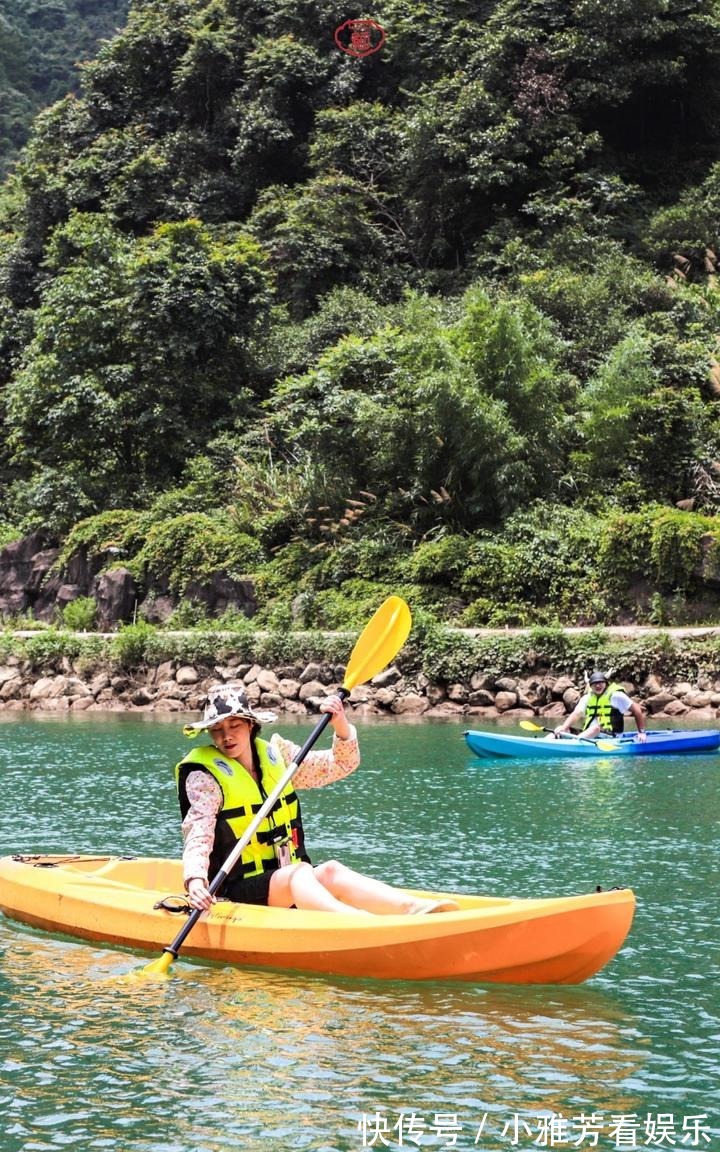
(603, 745)
(380, 641)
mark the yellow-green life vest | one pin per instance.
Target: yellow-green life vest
(599, 708)
(242, 799)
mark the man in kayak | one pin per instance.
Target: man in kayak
(222, 785)
(602, 710)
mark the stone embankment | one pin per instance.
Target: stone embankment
(173, 687)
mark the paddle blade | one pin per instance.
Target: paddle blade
(530, 727)
(380, 641)
(156, 969)
(606, 746)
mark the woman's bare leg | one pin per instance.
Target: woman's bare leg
(369, 895)
(297, 884)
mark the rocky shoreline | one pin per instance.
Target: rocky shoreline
(173, 686)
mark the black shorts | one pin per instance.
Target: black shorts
(252, 889)
(248, 890)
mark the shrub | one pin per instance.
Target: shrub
(47, 649)
(128, 649)
(193, 547)
(80, 614)
(116, 531)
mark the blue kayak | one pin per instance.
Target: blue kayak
(660, 742)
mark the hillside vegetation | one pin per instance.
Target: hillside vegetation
(40, 44)
(441, 321)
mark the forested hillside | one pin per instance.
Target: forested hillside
(442, 320)
(40, 43)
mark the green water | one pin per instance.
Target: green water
(220, 1058)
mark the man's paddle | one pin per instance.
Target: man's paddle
(603, 745)
(380, 641)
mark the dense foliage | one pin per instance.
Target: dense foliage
(444, 320)
(40, 44)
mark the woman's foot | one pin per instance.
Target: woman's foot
(435, 906)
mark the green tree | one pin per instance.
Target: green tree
(140, 351)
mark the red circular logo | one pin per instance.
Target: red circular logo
(360, 38)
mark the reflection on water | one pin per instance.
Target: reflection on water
(270, 1055)
(218, 1058)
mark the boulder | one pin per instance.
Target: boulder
(701, 714)
(445, 708)
(562, 685)
(410, 705)
(48, 688)
(186, 675)
(682, 688)
(310, 688)
(435, 693)
(651, 686)
(385, 697)
(23, 567)
(115, 593)
(267, 681)
(387, 677)
(252, 691)
(557, 708)
(698, 699)
(505, 700)
(156, 609)
(675, 708)
(570, 698)
(506, 684)
(12, 689)
(458, 693)
(481, 698)
(361, 694)
(659, 702)
(220, 592)
(65, 594)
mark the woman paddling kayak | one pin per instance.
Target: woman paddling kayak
(222, 785)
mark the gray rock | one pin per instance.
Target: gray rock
(48, 688)
(659, 702)
(385, 697)
(506, 684)
(458, 693)
(481, 699)
(310, 688)
(116, 595)
(267, 681)
(675, 708)
(410, 705)
(560, 687)
(505, 700)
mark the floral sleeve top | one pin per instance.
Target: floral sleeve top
(205, 794)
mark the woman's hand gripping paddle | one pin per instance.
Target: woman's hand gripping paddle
(603, 745)
(380, 641)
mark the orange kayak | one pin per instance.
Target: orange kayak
(561, 940)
